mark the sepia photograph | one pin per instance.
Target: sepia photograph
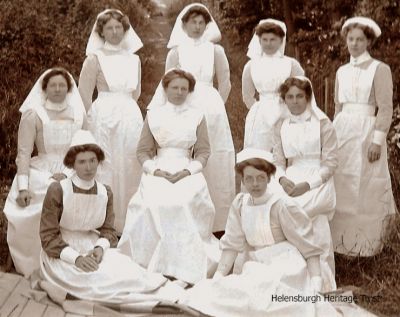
(216, 158)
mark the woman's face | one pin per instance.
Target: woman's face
(57, 89)
(113, 31)
(296, 100)
(195, 26)
(255, 181)
(177, 90)
(357, 42)
(270, 43)
(85, 165)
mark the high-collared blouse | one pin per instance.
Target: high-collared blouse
(381, 95)
(50, 234)
(287, 221)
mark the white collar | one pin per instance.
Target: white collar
(277, 54)
(262, 199)
(176, 108)
(301, 117)
(81, 183)
(55, 106)
(360, 59)
(112, 47)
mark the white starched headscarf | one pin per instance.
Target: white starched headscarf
(179, 36)
(364, 21)
(130, 42)
(37, 97)
(254, 49)
(251, 153)
(160, 97)
(312, 106)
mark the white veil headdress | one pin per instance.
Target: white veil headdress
(254, 49)
(130, 42)
(160, 97)
(37, 97)
(178, 35)
(364, 21)
(315, 110)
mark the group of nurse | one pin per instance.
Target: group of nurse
(310, 187)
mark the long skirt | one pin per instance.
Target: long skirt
(365, 200)
(118, 280)
(219, 172)
(116, 122)
(319, 204)
(24, 222)
(169, 228)
(272, 274)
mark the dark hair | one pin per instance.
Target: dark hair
(268, 27)
(257, 163)
(112, 14)
(178, 73)
(55, 72)
(195, 11)
(301, 84)
(368, 32)
(69, 159)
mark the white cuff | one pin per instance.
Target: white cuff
(314, 181)
(23, 182)
(149, 166)
(379, 137)
(102, 242)
(69, 255)
(194, 167)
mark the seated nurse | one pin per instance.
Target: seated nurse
(305, 154)
(282, 255)
(169, 220)
(78, 255)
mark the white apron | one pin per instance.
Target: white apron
(24, 222)
(364, 192)
(116, 122)
(118, 279)
(168, 227)
(270, 269)
(301, 144)
(219, 172)
(267, 73)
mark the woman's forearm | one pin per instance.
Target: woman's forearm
(314, 266)
(228, 257)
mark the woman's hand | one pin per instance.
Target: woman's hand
(86, 263)
(179, 175)
(374, 152)
(164, 174)
(24, 198)
(97, 254)
(59, 176)
(287, 185)
(299, 189)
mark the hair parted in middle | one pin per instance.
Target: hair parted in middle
(195, 11)
(112, 14)
(301, 84)
(178, 73)
(55, 72)
(269, 27)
